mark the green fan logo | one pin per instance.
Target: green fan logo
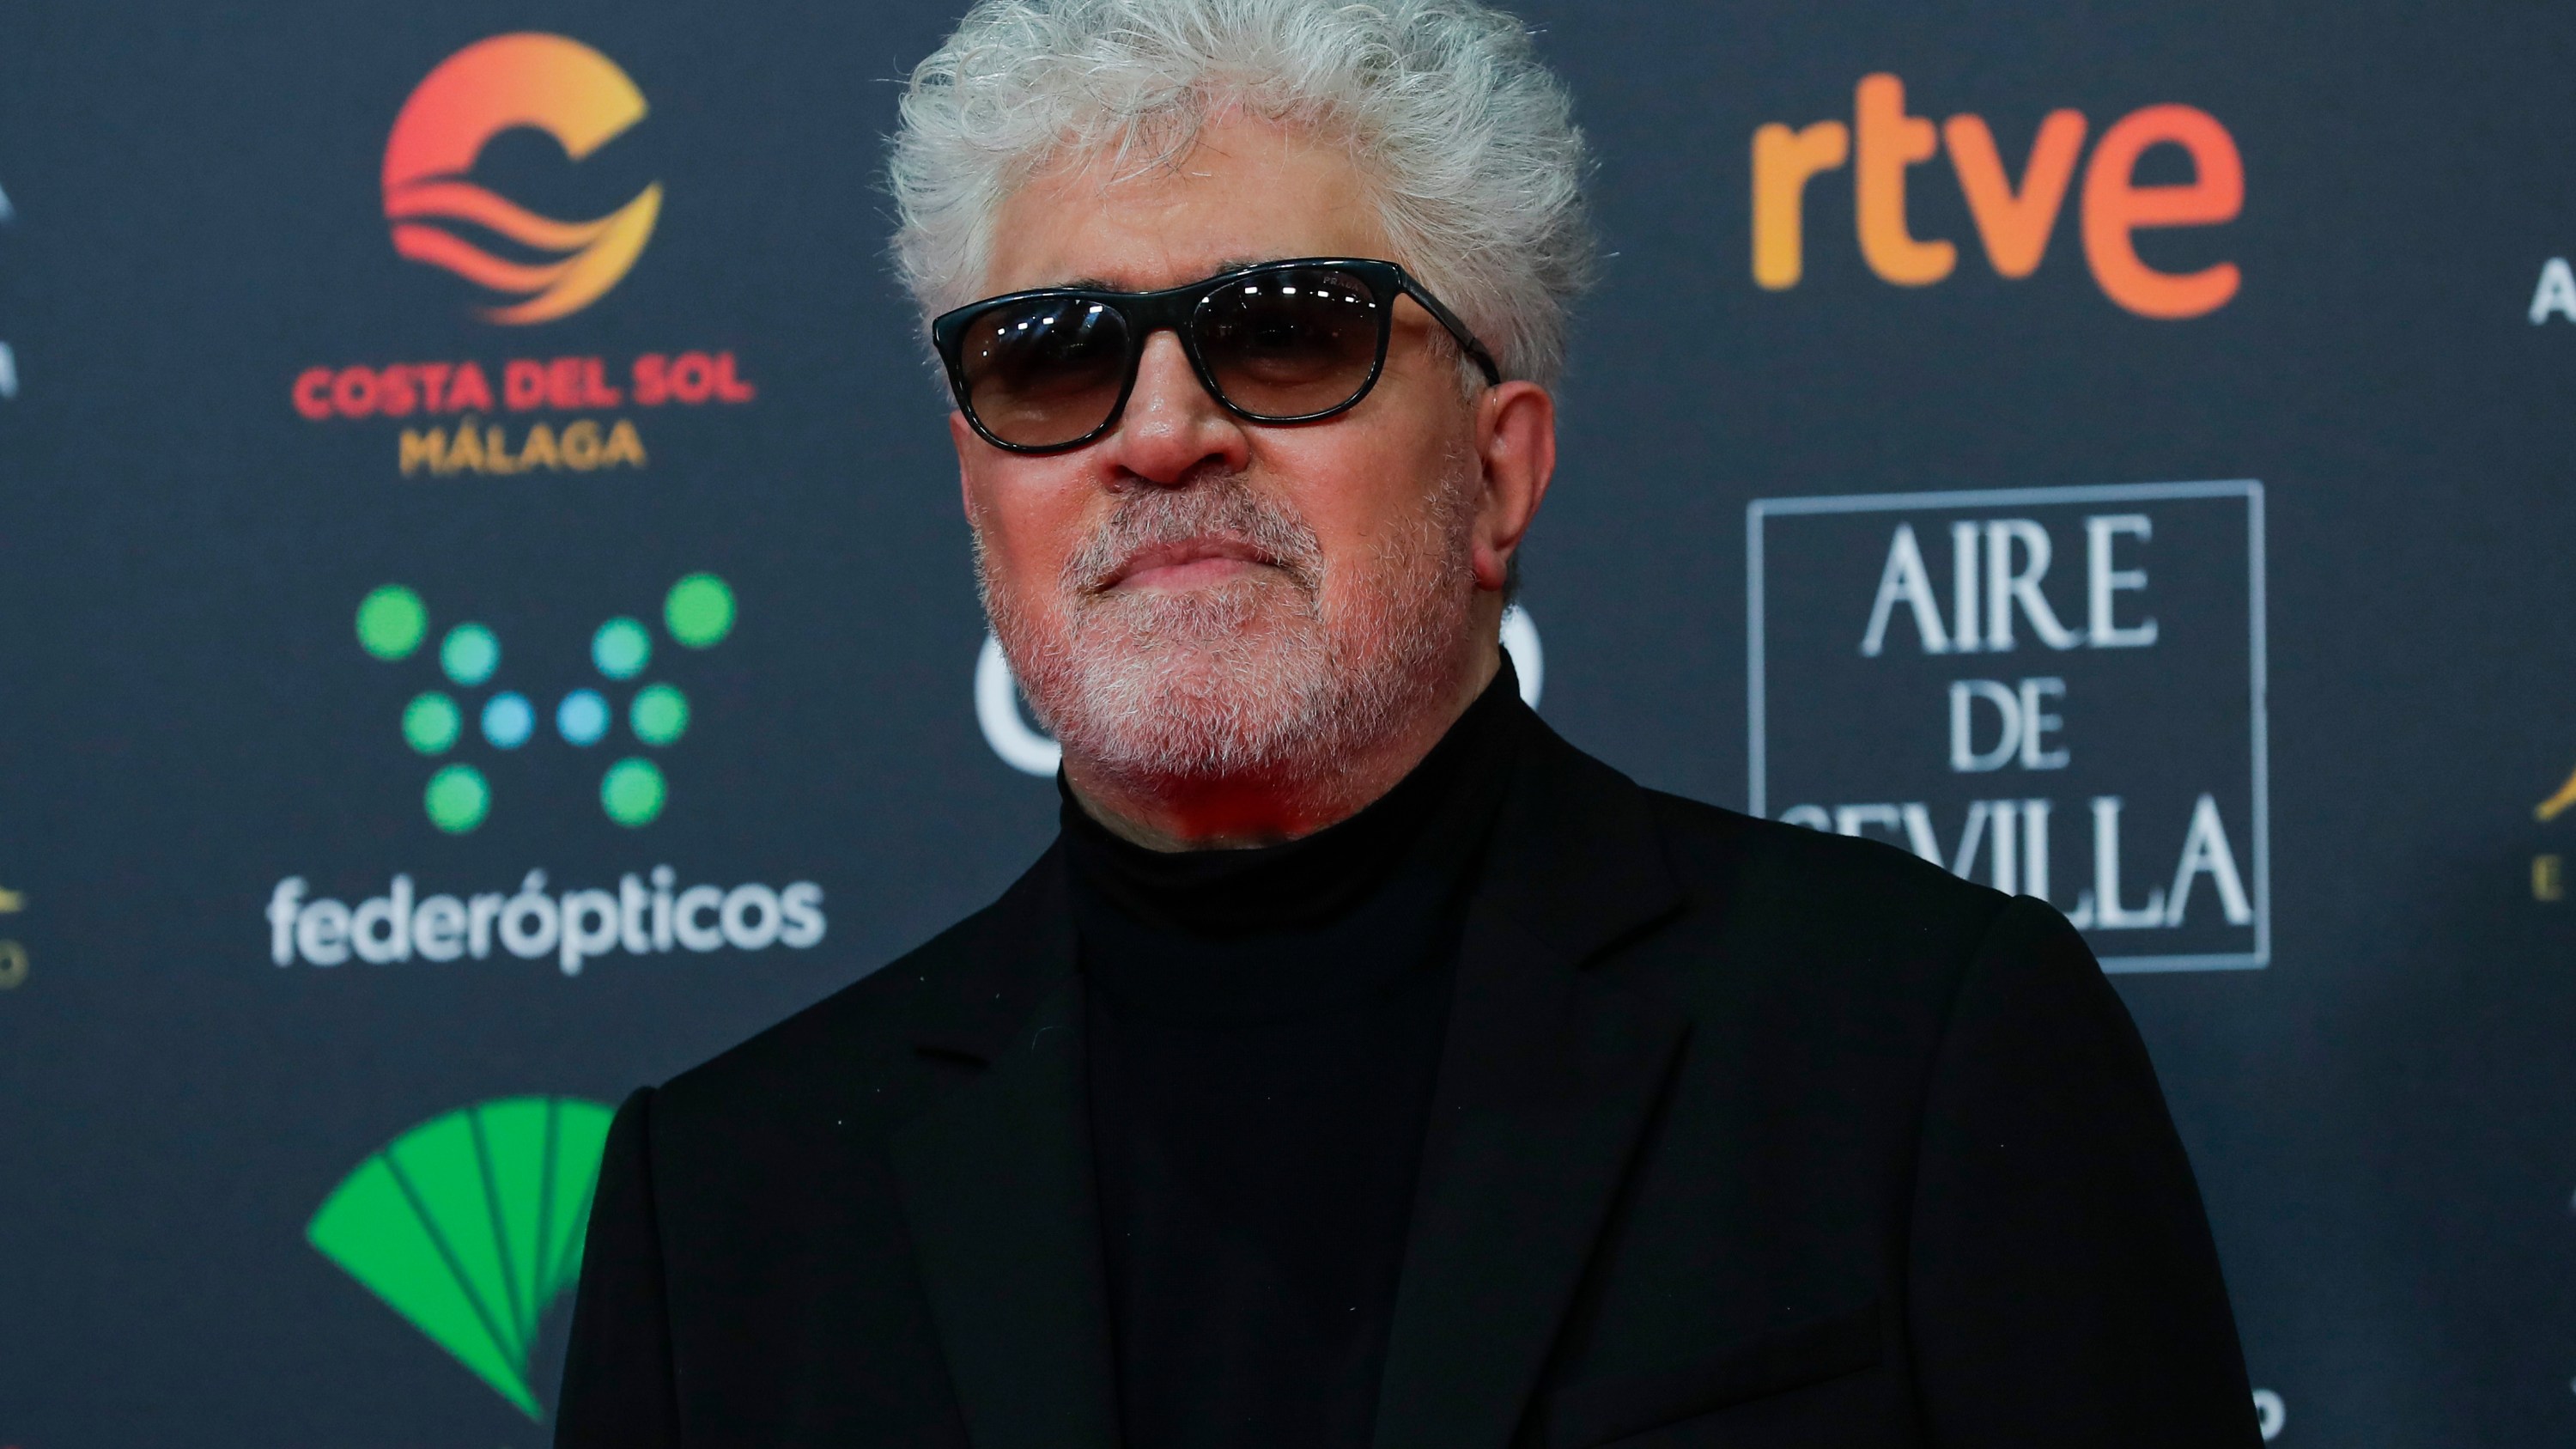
(394, 624)
(470, 1226)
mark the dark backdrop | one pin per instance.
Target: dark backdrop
(2361, 659)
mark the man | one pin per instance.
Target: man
(1364, 1065)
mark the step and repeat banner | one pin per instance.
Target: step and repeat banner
(485, 622)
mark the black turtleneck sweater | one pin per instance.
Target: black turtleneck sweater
(1262, 1034)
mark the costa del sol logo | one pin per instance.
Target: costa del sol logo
(470, 1226)
(557, 85)
(553, 412)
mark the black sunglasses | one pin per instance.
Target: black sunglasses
(1283, 342)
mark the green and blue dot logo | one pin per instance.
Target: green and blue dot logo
(394, 625)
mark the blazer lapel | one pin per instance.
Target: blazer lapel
(1549, 1080)
(997, 1190)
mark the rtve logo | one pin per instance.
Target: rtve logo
(559, 86)
(2013, 221)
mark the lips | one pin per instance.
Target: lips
(1189, 563)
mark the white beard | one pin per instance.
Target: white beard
(1281, 676)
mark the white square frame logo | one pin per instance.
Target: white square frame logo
(1756, 690)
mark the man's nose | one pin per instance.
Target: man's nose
(1171, 428)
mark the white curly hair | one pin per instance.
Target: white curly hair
(1467, 140)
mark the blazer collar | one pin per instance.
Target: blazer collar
(998, 966)
(1549, 1077)
(997, 1186)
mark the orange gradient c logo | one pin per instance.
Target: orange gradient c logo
(561, 87)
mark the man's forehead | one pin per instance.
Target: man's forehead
(1054, 249)
(1235, 200)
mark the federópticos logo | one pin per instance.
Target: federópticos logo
(475, 710)
(470, 1226)
(556, 85)
(394, 623)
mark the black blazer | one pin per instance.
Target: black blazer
(1745, 1135)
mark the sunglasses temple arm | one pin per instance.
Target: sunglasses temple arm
(1476, 352)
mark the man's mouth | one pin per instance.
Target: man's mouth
(1190, 564)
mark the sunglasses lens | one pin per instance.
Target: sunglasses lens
(1289, 344)
(1042, 373)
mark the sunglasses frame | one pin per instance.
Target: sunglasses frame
(1173, 310)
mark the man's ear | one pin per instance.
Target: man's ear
(1516, 444)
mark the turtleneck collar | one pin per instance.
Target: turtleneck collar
(1313, 921)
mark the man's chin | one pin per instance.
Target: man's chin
(1190, 697)
(1221, 619)
(1238, 667)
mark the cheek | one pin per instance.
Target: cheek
(1029, 523)
(1359, 486)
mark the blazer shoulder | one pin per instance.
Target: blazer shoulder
(1790, 877)
(862, 1029)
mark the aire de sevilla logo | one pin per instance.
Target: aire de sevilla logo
(556, 85)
